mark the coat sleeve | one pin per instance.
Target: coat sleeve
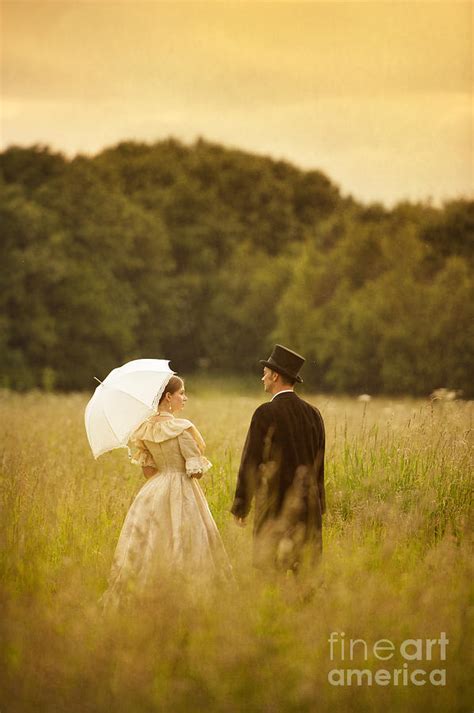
(252, 457)
(319, 466)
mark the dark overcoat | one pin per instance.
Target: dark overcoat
(282, 466)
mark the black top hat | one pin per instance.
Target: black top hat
(285, 362)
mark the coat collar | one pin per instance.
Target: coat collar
(285, 391)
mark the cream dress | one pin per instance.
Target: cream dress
(169, 528)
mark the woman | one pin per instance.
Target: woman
(169, 527)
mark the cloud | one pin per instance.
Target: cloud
(232, 52)
(376, 94)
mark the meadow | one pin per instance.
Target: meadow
(397, 565)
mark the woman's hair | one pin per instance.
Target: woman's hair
(173, 385)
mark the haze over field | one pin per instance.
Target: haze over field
(377, 95)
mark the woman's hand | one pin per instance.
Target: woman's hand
(197, 475)
(149, 471)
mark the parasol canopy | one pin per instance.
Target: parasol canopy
(122, 401)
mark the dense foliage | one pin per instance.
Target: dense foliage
(207, 256)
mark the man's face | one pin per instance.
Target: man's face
(268, 379)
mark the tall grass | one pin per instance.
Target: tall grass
(397, 564)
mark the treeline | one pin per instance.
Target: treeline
(207, 256)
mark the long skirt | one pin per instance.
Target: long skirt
(168, 531)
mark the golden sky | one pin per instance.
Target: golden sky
(376, 94)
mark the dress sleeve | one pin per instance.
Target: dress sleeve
(195, 462)
(139, 454)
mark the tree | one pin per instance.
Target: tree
(203, 254)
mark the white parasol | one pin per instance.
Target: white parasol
(122, 401)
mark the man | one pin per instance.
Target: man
(282, 466)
